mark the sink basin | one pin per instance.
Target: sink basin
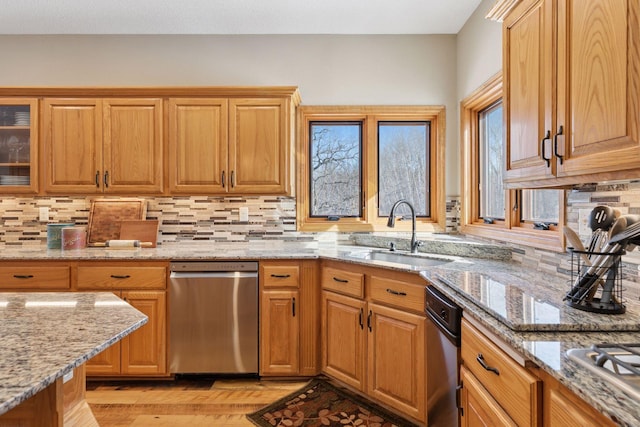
(409, 260)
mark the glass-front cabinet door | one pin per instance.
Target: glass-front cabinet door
(18, 145)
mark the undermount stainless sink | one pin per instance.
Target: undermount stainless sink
(408, 260)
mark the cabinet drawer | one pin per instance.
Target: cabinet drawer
(122, 277)
(280, 276)
(345, 282)
(35, 278)
(397, 293)
(513, 387)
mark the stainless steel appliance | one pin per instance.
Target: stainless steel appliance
(213, 312)
(618, 364)
(443, 355)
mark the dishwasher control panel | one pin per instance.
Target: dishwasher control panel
(212, 266)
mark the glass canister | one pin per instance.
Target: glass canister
(54, 235)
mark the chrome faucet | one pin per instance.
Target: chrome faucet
(392, 222)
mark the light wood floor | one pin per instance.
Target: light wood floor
(183, 402)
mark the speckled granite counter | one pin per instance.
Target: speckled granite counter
(45, 335)
(522, 306)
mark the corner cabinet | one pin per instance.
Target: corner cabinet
(18, 145)
(572, 92)
(288, 318)
(374, 334)
(231, 145)
(98, 145)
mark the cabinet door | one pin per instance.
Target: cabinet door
(72, 145)
(132, 146)
(107, 362)
(144, 350)
(528, 71)
(18, 145)
(479, 409)
(397, 360)
(259, 139)
(598, 86)
(344, 339)
(279, 333)
(198, 141)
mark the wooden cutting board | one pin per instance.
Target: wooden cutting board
(106, 216)
(145, 231)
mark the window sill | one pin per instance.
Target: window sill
(551, 240)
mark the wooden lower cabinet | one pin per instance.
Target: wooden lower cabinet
(143, 352)
(376, 345)
(279, 329)
(397, 360)
(289, 318)
(344, 339)
(479, 408)
(143, 285)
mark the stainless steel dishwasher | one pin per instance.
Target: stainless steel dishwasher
(213, 312)
(443, 358)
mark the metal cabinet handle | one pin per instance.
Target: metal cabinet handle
(106, 179)
(116, 276)
(233, 179)
(97, 179)
(369, 320)
(23, 276)
(223, 179)
(392, 292)
(555, 144)
(483, 363)
(360, 318)
(293, 307)
(546, 138)
(281, 276)
(336, 279)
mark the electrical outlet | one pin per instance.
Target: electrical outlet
(44, 214)
(244, 214)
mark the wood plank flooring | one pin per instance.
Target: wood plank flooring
(183, 402)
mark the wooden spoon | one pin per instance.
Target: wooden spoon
(576, 243)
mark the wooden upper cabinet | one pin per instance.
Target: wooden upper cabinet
(572, 92)
(528, 65)
(598, 86)
(19, 145)
(132, 145)
(103, 146)
(72, 145)
(198, 144)
(259, 145)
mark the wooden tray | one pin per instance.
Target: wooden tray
(107, 214)
(145, 231)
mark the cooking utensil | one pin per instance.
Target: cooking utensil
(618, 226)
(601, 219)
(576, 243)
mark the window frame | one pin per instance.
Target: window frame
(512, 229)
(370, 116)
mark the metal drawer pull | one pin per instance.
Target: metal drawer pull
(483, 363)
(340, 280)
(23, 276)
(293, 307)
(392, 292)
(115, 276)
(360, 319)
(369, 321)
(547, 137)
(97, 179)
(281, 276)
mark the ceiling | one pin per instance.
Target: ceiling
(234, 16)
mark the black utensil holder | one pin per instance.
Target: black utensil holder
(596, 289)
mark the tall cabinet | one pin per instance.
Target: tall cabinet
(572, 91)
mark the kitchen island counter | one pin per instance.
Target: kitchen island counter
(48, 335)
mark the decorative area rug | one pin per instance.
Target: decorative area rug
(322, 404)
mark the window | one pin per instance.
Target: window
(528, 217)
(360, 160)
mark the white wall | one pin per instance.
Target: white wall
(367, 69)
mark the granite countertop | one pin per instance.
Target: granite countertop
(45, 335)
(521, 305)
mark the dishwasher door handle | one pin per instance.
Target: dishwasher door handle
(211, 274)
